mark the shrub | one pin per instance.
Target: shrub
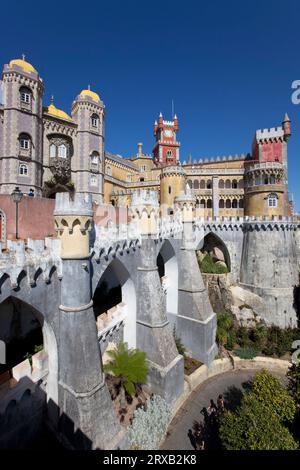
(129, 366)
(247, 352)
(149, 426)
(179, 345)
(259, 422)
(207, 265)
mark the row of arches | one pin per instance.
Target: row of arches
(222, 184)
(223, 203)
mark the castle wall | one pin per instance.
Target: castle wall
(35, 217)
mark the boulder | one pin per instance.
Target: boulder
(218, 254)
(221, 263)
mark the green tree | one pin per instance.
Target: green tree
(254, 427)
(260, 422)
(293, 375)
(129, 366)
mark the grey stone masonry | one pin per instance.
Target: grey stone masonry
(154, 335)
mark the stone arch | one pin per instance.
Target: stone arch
(17, 310)
(115, 287)
(212, 240)
(168, 272)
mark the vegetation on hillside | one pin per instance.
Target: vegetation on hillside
(208, 265)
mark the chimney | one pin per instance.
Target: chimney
(140, 149)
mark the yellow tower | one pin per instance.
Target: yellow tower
(172, 183)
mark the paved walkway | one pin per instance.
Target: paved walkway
(230, 384)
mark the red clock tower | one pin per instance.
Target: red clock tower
(166, 148)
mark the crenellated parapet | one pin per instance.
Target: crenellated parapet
(31, 259)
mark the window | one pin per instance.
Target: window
(143, 168)
(53, 151)
(203, 203)
(94, 120)
(170, 189)
(196, 184)
(221, 184)
(169, 154)
(25, 96)
(142, 179)
(93, 180)
(23, 170)
(241, 203)
(208, 184)
(25, 142)
(234, 184)
(108, 170)
(209, 204)
(272, 200)
(234, 204)
(94, 160)
(221, 204)
(228, 204)
(62, 151)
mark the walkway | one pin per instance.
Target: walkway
(230, 384)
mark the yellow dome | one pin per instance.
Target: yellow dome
(91, 94)
(26, 66)
(57, 112)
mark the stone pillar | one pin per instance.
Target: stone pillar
(154, 335)
(215, 195)
(196, 322)
(87, 418)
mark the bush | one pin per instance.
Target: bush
(259, 423)
(150, 426)
(207, 265)
(179, 345)
(129, 366)
(247, 352)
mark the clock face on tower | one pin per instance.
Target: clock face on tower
(168, 133)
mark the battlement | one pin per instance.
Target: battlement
(223, 158)
(271, 133)
(32, 258)
(77, 204)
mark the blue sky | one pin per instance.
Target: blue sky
(228, 66)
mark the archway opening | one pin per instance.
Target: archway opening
(115, 297)
(168, 273)
(213, 256)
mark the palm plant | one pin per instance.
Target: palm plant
(129, 366)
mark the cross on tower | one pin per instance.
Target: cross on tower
(23, 56)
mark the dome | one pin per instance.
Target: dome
(59, 113)
(26, 66)
(91, 94)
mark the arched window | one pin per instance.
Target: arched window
(93, 180)
(23, 169)
(53, 151)
(272, 179)
(221, 184)
(25, 143)
(170, 189)
(169, 154)
(241, 204)
(234, 204)
(94, 120)
(208, 184)
(266, 180)
(234, 184)
(228, 204)
(227, 184)
(221, 204)
(209, 204)
(62, 151)
(25, 97)
(203, 203)
(202, 184)
(272, 200)
(241, 183)
(108, 170)
(257, 180)
(196, 184)
(94, 160)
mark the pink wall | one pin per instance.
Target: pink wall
(35, 217)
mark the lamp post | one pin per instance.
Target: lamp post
(17, 197)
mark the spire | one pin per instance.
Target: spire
(175, 116)
(23, 57)
(286, 118)
(52, 99)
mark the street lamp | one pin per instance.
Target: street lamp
(17, 197)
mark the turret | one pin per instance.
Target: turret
(88, 165)
(166, 148)
(22, 124)
(172, 183)
(286, 126)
